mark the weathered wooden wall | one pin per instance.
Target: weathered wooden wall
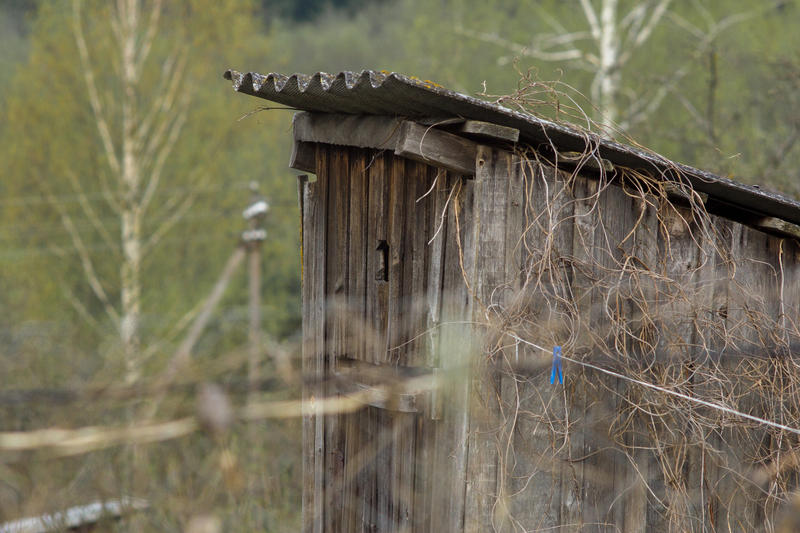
(498, 447)
(372, 290)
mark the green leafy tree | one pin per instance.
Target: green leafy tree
(124, 195)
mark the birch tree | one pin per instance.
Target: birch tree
(132, 130)
(612, 35)
(136, 155)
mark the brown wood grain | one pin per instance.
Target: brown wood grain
(450, 454)
(487, 273)
(309, 367)
(335, 164)
(316, 276)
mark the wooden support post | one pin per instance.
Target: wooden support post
(487, 270)
(407, 139)
(253, 238)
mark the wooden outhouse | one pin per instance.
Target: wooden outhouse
(458, 257)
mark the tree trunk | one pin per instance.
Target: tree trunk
(131, 219)
(607, 80)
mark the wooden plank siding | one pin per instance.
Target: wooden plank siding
(371, 478)
(412, 269)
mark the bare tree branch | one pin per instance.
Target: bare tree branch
(658, 13)
(547, 41)
(83, 253)
(94, 99)
(183, 353)
(553, 22)
(174, 330)
(163, 228)
(89, 212)
(156, 138)
(641, 110)
(82, 311)
(147, 40)
(107, 192)
(166, 149)
(639, 37)
(701, 122)
(159, 104)
(562, 55)
(591, 18)
(634, 19)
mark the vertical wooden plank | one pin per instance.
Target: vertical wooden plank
(753, 305)
(435, 237)
(604, 466)
(378, 165)
(491, 200)
(316, 275)
(440, 439)
(355, 320)
(378, 168)
(387, 180)
(420, 204)
(397, 328)
(337, 169)
(384, 509)
(700, 475)
(448, 493)
(419, 229)
(411, 226)
(573, 480)
(423, 474)
(644, 285)
(788, 301)
(358, 253)
(534, 406)
(312, 287)
(517, 462)
(725, 486)
(707, 501)
(675, 316)
(404, 440)
(369, 437)
(397, 210)
(559, 226)
(709, 339)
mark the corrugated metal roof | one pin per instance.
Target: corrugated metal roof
(380, 93)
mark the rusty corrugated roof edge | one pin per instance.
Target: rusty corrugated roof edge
(388, 93)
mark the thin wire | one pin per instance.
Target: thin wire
(666, 391)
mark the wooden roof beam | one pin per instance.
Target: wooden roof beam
(404, 137)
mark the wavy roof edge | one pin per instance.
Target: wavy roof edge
(388, 93)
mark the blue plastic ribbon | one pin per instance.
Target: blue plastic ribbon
(557, 370)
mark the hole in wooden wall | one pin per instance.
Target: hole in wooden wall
(382, 269)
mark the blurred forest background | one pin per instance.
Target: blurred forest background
(127, 164)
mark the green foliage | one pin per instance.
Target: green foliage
(216, 156)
